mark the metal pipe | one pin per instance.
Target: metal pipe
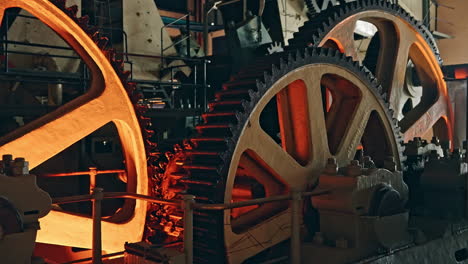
(78, 173)
(243, 203)
(72, 199)
(97, 239)
(6, 44)
(20, 43)
(466, 123)
(188, 202)
(92, 178)
(205, 87)
(187, 24)
(110, 195)
(195, 73)
(295, 227)
(206, 11)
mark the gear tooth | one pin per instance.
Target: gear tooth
(275, 70)
(266, 77)
(298, 55)
(282, 64)
(246, 105)
(261, 87)
(380, 89)
(83, 21)
(384, 95)
(102, 42)
(252, 93)
(290, 57)
(72, 11)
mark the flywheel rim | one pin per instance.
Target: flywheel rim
(106, 101)
(413, 40)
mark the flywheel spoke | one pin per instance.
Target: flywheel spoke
(56, 135)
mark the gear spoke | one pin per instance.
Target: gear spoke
(354, 133)
(320, 149)
(63, 131)
(276, 158)
(406, 40)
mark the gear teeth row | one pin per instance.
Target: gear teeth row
(314, 30)
(202, 162)
(153, 155)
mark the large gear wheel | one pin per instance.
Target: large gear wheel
(107, 100)
(269, 132)
(401, 40)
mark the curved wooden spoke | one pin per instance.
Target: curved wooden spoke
(354, 133)
(405, 41)
(274, 156)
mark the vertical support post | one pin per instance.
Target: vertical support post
(195, 87)
(296, 196)
(466, 123)
(7, 22)
(97, 244)
(187, 204)
(244, 10)
(92, 179)
(205, 28)
(205, 88)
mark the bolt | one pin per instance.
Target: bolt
(368, 163)
(435, 141)
(353, 169)
(7, 157)
(20, 167)
(332, 167)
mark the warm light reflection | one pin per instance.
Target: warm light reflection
(107, 101)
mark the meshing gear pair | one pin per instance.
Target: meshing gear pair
(270, 128)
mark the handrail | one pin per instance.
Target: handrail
(162, 31)
(258, 201)
(188, 204)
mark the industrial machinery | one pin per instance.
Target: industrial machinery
(322, 115)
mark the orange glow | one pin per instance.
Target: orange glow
(461, 73)
(334, 44)
(294, 121)
(107, 101)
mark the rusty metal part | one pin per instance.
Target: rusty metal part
(107, 100)
(238, 156)
(402, 38)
